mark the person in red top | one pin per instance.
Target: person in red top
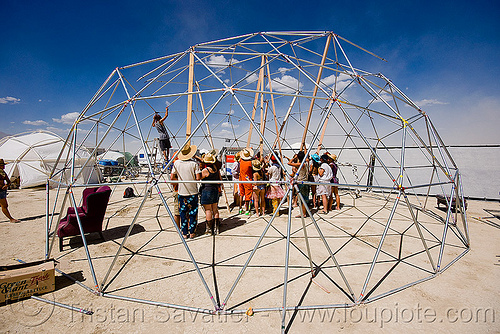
(246, 174)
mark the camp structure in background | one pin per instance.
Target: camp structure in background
(118, 163)
(31, 157)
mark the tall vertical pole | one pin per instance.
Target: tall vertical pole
(259, 87)
(274, 109)
(315, 91)
(263, 117)
(47, 221)
(204, 114)
(287, 257)
(190, 96)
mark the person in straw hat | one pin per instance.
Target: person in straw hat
(4, 185)
(246, 174)
(186, 169)
(259, 189)
(210, 193)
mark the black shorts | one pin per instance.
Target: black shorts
(209, 196)
(164, 144)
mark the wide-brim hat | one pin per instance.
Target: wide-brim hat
(209, 158)
(187, 152)
(332, 156)
(256, 165)
(246, 154)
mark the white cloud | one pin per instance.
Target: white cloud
(286, 84)
(219, 62)
(386, 97)
(229, 125)
(68, 118)
(329, 80)
(231, 112)
(59, 131)
(283, 70)
(342, 81)
(224, 132)
(426, 102)
(252, 78)
(9, 100)
(35, 123)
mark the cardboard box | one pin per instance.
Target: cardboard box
(26, 279)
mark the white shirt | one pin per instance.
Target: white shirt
(274, 173)
(186, 171)
(235, 170)
(327, 175)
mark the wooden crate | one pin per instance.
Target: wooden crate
(26, 279)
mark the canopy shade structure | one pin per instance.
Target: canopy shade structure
(275, 92)
(33, 156)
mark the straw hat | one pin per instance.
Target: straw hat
(332, 156)
(187, 152)
(246, 154)
(256, 165)
(237, 156)
(2, 163)
(209, 158)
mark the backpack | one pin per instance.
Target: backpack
(129, 192)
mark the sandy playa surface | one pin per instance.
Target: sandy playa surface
(154, 265)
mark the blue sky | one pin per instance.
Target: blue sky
(55, 55)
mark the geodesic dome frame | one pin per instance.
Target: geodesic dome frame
(269, 90)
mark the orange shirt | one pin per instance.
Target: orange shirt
(246, 171)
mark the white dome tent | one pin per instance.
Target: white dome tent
(32, 158)
(284, 87)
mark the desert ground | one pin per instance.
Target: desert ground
(154, 265)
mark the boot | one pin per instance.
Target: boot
(217, 225)
(210, 227)
(276, 202)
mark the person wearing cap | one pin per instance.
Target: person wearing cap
(332, 162)
(259, 189)
(275, 192)
(186, 169)
(164, 140)
(4, 185)
(246, 174)
(325, 175)
(210, 193)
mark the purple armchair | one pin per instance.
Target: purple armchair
(91, 213)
